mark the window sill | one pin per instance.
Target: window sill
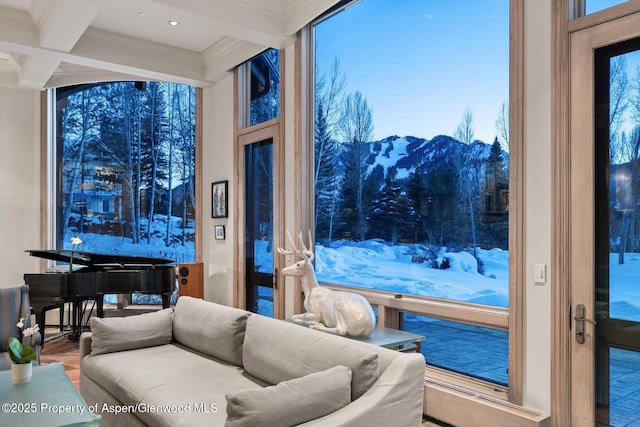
(476, 401)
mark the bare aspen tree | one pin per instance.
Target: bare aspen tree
(467, 170)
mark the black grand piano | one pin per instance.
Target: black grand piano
(100, 274)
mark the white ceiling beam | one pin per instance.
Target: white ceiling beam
(226, 55)
(36, 71)
(65, 23)
(239, 21)
(107, 51)
(83, 75)
(16, 27)
(298, 17)
(114, 52)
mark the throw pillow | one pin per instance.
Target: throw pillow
(214, 329)
(291, 402)
(276, 351)
(127, 333)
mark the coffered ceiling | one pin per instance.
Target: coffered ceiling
(49, 43)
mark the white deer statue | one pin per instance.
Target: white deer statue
(336, 312)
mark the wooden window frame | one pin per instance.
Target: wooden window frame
(389, 306)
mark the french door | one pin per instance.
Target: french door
(605, 224)
(258, 223)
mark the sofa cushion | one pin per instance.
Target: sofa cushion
(213, 329)
(190, 385)
(127, 333)
(277, 351)
(291, 402)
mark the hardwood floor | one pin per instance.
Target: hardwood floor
(62, 349)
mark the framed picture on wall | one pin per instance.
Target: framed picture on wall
(219, 232)
(219, 203)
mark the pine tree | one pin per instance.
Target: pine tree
(392, 213)
(419, 199)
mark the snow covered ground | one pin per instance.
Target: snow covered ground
(375, 264)
(156, 248)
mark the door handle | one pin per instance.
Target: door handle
(275, 279)
(580, 319)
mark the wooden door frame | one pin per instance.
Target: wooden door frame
(561, 229)
(268, 130)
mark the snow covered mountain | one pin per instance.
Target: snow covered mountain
(409, 154)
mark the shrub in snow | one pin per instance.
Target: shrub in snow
(424, 253)
(457, 261)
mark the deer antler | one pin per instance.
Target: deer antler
(308, 252)
(293, 250)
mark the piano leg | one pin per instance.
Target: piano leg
(165, 300)
(40, 321)
(76, 322)
(41, 311)
(99, 305)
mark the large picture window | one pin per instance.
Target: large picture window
(125, 170)
(412, 157)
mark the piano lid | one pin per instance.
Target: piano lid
(92, 259)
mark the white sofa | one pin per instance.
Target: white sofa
(205, 364)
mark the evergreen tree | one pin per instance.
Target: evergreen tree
(392, 212)
(442, 190)
(419, 199)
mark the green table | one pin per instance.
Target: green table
(49, 399)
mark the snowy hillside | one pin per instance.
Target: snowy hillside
(408, 154)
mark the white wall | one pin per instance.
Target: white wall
(537, 152)
(217, 164)
(19, 181)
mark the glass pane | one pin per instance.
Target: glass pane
(412, 149)
(259, 227)
(593, 6)
(264, 87)
(617, 255)
(471, 350)
(125, 153)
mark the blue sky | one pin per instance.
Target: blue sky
(596, 5)
(421, 63)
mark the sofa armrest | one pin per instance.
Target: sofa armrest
(85, 344)
(395, 399)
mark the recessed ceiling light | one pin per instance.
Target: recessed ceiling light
(174, 23)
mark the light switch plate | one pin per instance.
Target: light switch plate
(540, 273)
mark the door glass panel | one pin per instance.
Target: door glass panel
(259, 227)
(617, 230)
